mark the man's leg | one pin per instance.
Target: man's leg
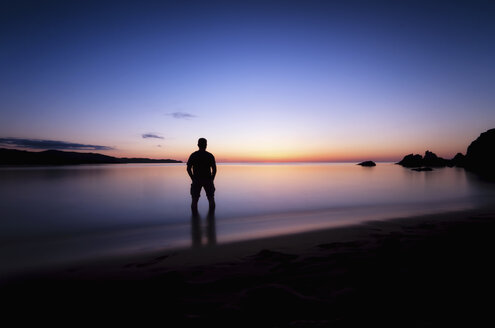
(195, 191)
(194, 204)
(210, 194)
(211, 203)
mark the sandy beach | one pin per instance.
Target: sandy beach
(432, 270)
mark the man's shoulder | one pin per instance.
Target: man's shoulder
(210, 155)
(192, 156)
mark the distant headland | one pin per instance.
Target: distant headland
(58, 157)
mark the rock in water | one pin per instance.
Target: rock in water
(367, 163)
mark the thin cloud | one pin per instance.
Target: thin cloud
(152, 135)
(182, 115)
(49, 144)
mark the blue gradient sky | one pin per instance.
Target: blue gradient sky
(261, 80)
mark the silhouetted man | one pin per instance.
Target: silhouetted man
(202, 169)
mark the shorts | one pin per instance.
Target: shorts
(206, 184)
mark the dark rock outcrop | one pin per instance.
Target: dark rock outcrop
(458, 160)
(367, 163)
(412, 161)
(480, 156)
(429, 160)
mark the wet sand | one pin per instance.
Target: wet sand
(433, 270)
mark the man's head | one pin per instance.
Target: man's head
(202, 143)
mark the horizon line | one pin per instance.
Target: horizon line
(233, 161)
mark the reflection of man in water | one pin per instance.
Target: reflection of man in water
(197, 231)
(202, 169)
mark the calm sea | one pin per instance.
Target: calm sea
(56, 214)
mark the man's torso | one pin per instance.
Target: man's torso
(201, 162)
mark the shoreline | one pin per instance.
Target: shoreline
(433, 269)
(191, 241)
(183, 257)
(300, 243)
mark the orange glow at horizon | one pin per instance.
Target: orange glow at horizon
(343, 154)
(286, 147)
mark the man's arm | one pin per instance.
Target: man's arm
(213, 169)
(189, 167)
(189, 171)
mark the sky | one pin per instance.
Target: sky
(261, 80)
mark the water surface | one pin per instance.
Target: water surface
(51, 214)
